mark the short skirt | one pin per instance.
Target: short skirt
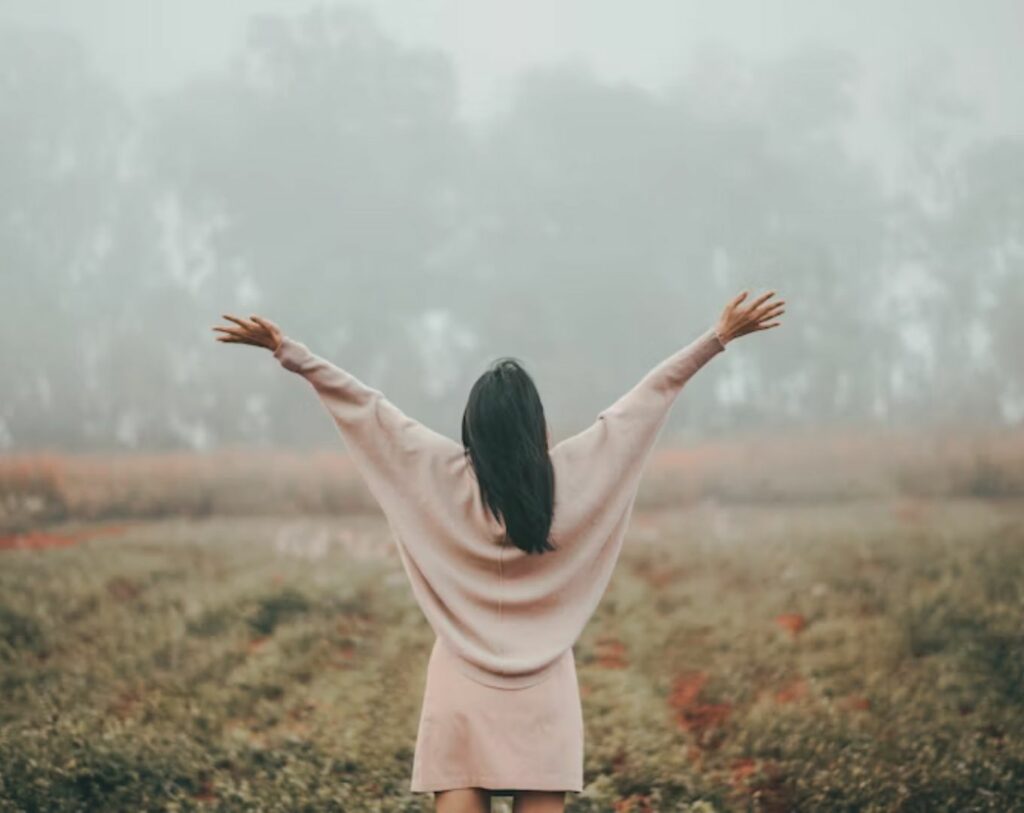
(473, 735)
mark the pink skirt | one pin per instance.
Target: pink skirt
(472, 735)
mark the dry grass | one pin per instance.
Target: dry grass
(856, 655)
(794, 466)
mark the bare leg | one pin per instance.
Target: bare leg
(462, 800)
(539, 801)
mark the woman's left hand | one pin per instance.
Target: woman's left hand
(259, 332)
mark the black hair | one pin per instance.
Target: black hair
(505, 435)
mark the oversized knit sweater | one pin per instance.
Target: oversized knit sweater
(507, 614)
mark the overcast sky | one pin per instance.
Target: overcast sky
(973, 52)
(977, 48)
(153, 44)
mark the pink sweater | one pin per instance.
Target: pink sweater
(507, 614)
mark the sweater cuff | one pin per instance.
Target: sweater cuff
(707, 345)
(291, 353)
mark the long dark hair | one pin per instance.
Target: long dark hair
(506, 437)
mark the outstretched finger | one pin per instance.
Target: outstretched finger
(266, 324)
(238, 321)
(233, 331)
(760, 300)
(767, 325)
(769, 311)
(737, 299)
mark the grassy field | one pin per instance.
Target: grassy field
(826, 655)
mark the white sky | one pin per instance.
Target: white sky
(152, 44)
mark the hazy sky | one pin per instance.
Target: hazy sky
(152, 44)
(915, 56)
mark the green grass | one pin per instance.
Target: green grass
(271, 664)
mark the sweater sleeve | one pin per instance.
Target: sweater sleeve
(388, 448)
(602, 464)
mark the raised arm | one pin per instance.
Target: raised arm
(387, 446)
(608, 456)
(367, 420)
(625, 432)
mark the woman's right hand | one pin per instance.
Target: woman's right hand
(737, 320)
(258, 332)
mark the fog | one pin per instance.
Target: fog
(415, 188)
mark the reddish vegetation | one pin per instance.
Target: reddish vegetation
(793, 623)
(692, 715)
(856, 702)
(298, 721)
(763, 782)
(205, 793)
(635, 803)
(802, 462)
(759, 782)
(46, 488)
(35, 540)
(126, 702)
(742, 769)
(41, 540)
(704, 716)
(686, 689)
(123, 589)
(611, 653)
(796, 690)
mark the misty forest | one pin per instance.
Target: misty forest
(324, 178)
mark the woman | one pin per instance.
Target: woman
(508, 546)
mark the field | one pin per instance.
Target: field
(864, 653)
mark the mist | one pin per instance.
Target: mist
(414, 189)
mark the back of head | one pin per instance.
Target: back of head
(505, 433)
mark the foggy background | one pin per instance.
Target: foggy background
(414, 188)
